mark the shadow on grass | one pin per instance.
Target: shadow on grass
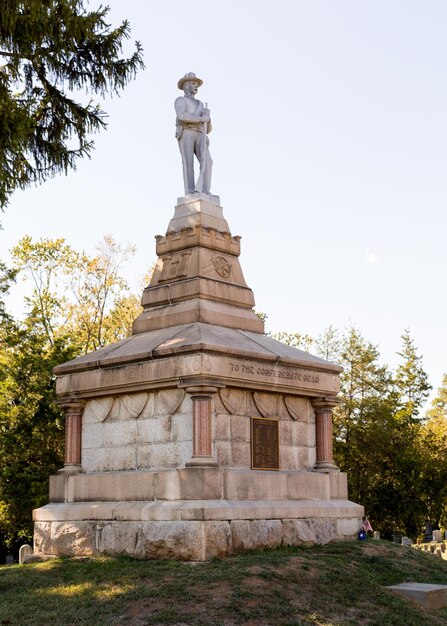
(330, 585)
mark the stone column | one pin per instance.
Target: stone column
(73, 430)
(323, 425)
(202, 449)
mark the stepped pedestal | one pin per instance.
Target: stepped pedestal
(198, 435)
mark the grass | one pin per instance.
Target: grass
(332, 585)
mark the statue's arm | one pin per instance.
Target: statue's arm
(185, 116)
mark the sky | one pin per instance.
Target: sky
(329, 145)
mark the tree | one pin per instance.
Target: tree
(77, 303)
(296, 340)
(411, 380)
(51, 50)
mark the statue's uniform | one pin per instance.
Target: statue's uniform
(190, 140)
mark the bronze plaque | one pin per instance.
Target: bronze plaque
(264, 444)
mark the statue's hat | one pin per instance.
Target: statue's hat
(189, 76)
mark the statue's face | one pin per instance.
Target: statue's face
(190, 87)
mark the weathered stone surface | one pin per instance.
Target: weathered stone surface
(132, 405)
(267, 404)
(57, 488)
(42, 537)
(218, 539)
(72, 539)
(298, 408)
(348, 527)
(297, 531)
(240, 428)
(255, 485)
(173, 540)
(222, 429)
(308, 486)
(97, 410)
(425, 595)
(110, 487)
(234, 400)
(168, 401)
(339, 485)
(254, 534)
(117, 539)
(191, 483)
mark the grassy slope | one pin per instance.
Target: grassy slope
(328, 585)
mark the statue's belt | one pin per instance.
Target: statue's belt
(190, 126)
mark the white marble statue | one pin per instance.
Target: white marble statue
(193, 124)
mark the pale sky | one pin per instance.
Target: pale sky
(329, 145)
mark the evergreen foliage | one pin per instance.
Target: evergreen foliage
(50, 52)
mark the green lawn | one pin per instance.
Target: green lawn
(328, 585)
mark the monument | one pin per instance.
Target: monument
(198, 435)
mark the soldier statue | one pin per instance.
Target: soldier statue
(193, 125)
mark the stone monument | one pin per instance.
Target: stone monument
(198, 435)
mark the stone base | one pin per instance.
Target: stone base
(425, 595)
(189, 530)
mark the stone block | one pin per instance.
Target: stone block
(42, 537)
(304, 458)
(286, 433)
(190, 483)
(223, 452)
(154, 430)
(118, 538)
(97, 410)
(109, 459)
(181, 429)
(173, 540)
(298, 531)
(423, 594)
(241, 454)
(163, 455)
(254, 485)
(240, 428)
(339, 485)
(298, 408)
(218, 540)
(57, 488)
(149, 407)
(112, 487)
(349, 527)
(120, 433)
(222, 430)
(288, 458)
(73, 539)
(308, 486)
(255, 534)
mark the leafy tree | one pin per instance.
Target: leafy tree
(297, 340)
(50, 50)
(434, 443)
(77, 303)
(328, 344)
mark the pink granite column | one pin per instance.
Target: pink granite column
(202, 449)
(73, 430)
(323, 426)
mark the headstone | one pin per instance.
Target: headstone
(437, 535)
(24, 552)
(428, 533)
(397, 539)
(406, 541)
(376, 534)
(9, 559)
